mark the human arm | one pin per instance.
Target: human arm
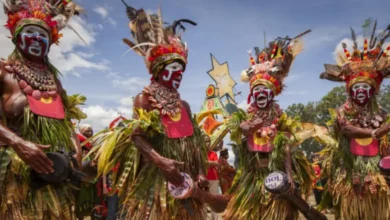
(288, 166)
(105, 188)
(250, 127)
(32, 154)
(168, 167)
(77, 148)
(211, 163)
(352, 131)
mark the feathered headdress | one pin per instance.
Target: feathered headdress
(273, 63)
(159, 45)
(52, 15)
(369, 65)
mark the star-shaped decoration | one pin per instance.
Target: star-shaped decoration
(221, 76)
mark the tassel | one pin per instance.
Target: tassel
(347, 54)
(386, 52)
(365, 49)
(251, 60)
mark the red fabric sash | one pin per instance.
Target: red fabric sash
(256, 143)
(179, 126)
(51, 107)
(364, 147)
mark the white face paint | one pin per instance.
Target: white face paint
(361, 92)
(172, 75)
(262, 95)
(34, 40)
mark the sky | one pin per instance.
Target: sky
(226, 28)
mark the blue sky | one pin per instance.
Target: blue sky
(226, 28)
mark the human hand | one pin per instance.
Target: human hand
(202, 182)
(33, 155)
(382, 131)
(169, 169)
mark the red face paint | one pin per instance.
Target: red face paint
(361, 93)
(172, 75)
(33, 41)
(263, 96)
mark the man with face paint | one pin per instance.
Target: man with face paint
(35, 115)
(360, 132)
(265, 139)
(164, 136)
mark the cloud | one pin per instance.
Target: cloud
(127, 101)
(132, 83)
(100, 117)
(111, 21)
(5, 43)
(103, 12)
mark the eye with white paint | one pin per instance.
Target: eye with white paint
(175, 66)
(36, 30)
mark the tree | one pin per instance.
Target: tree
(384, 98)
(318, 113)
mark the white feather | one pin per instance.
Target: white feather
(244, 76)
(139, 45)
(296, 46)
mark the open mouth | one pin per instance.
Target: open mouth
(361, 96)
(36, 51)
(261, 99)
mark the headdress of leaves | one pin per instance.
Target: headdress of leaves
(148, 30)
(55, 13)
(373, 58)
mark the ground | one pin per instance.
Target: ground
(301, 217)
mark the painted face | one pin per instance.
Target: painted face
(88, 133)
(263, 96)
(361, 93)
(172, 75)
(33, 41)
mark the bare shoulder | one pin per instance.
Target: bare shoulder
(5, 68)
(141, 101)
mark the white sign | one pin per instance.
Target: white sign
(183, 191)
(273, 180)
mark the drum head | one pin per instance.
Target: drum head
(384, 165)
(276, 182)
(183, 191)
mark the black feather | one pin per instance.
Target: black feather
(130, 11)
(373, 39)
(178, 23)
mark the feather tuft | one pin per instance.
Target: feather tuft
(340, 59)
(244, 76)
(296, 47)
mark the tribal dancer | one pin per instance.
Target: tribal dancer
(165, 139)
(269, 138)
(360, 131)
(36, 116)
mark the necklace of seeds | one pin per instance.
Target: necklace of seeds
(267, 115)
(363, 116)
(35, 79)
(162, 98)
